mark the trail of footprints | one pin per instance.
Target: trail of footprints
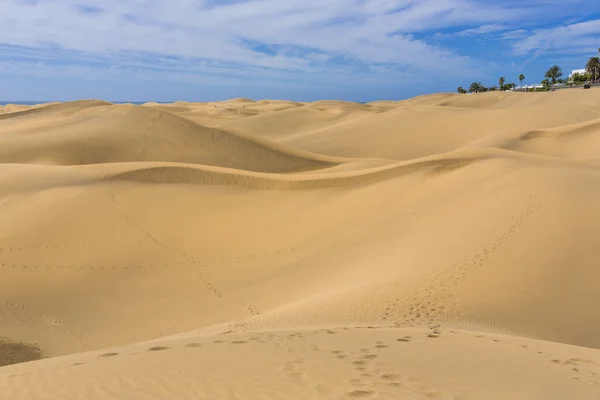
(202, 269)
(434, 302)
(6, 249)
(105, 268)
(24, 316)
(372, 377)
(583, 370)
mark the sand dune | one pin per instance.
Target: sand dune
(439, 247)
(53, 108)
(121, 133)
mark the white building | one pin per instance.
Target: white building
(528, 87)
(577, 71)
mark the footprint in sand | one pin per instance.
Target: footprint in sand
(107, 355)
(77, 364)
(361, 394)
(158, 348)
(390, 377)
(359, 363)
(294, 370)
(51, 320)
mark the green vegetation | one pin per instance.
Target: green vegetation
(592, 67)
(580, 79)
(546, 83)
(477, 87)
(551, 77)
(553, 74)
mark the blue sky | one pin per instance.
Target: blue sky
(358, 50)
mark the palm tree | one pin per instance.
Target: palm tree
(553, 73)
(501, 82)
(593, 67)
(521, 78)
(476, 87)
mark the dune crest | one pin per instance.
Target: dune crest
(437, 247)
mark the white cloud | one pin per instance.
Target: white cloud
(483, 29)
(513, 35)
(368, 31)
(575, 38)
(489, 31)
(254, 38)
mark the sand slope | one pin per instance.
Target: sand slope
(439, 247)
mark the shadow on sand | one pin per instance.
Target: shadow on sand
(14, 353)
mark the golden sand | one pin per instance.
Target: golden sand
(440, 247)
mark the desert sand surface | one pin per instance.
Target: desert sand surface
(441, 247)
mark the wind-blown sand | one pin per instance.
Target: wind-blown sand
(440, 247)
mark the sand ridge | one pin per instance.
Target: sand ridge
(437, 247)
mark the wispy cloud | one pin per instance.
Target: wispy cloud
(277, 40)
(369, 31)
(483, 29)
(577, 37)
